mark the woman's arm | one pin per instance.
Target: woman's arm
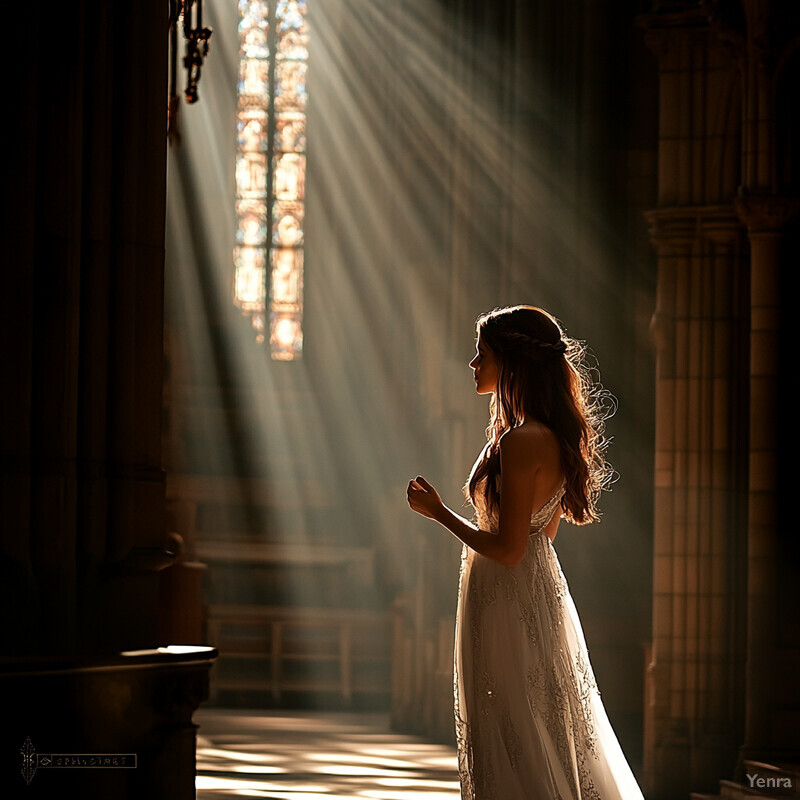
(518, 465)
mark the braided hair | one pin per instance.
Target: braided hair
(544, 376)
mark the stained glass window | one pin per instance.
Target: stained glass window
(271, 171)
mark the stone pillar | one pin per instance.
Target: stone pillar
(773, 655)
(771, 724)
(700, 327)
(700, 469)
(82, 483)
(718, 143)
(82, 518)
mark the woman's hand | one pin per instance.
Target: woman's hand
(423, 498)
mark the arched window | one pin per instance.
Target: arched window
(271, 171)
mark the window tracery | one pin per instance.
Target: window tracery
(271, 171)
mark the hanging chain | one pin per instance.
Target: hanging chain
(196, 37)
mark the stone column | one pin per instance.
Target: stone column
(701, 302)
(771, 726)
(82, 522)
(707, 54)
(772, 694)
(700, 327)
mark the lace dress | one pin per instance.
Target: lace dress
(529, 720)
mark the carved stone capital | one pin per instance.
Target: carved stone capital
(671, 228)
(665, 32)
(766, 213)
(679, 227)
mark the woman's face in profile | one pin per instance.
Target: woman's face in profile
(486, 369)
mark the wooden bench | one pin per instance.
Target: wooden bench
(358, 563)
(269, 634)
(262, 492)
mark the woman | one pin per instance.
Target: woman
(529, 720)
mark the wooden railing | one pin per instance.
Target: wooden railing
(300, 649)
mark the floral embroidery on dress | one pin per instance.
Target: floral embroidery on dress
(558, 687)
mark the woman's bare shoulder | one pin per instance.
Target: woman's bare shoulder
(532, 439)
(530, 433)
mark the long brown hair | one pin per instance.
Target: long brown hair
(543, 376)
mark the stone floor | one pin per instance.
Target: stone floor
(305, 755)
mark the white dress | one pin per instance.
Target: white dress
(530, 724)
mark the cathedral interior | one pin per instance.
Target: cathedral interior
(231, 337)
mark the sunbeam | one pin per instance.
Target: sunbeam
(446, 175)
